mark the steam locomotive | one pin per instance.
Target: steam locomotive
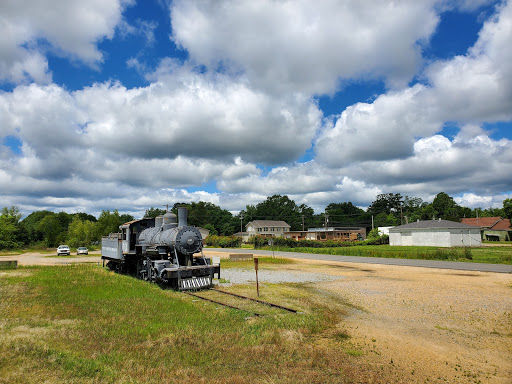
(161, 250)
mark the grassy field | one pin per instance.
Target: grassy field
(495, 255)
(84, 324)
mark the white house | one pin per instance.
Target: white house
(267, 228)
(437, 233)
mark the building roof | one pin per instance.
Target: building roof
(268, 223)
(433, 224)
(494, 223)
(335, 229)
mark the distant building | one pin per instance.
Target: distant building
(204, 233)
(243, 235)
(492, 228)
(384, 230)
(330, 233)
(266, 228)
(437, 233)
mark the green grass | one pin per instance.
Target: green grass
(263, 262)
(495, 255)
(84, 324)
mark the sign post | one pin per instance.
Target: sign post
(256, 269)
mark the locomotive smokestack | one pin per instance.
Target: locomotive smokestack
(182, 217)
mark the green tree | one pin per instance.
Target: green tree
(279, 207)
(30, 226)
(203, 213)
(80, 232)
(345, 214)
(489, 212)
(107, 223)
(386, 202)
(125, 218)
(445, 207)
(84, 216)
(51, 228)
(10, 230)
(154, 212)
(211, 228)
(507, 208)
(426, 212)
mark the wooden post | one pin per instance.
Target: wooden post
(256, 269)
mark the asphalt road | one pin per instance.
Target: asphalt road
(455, 265)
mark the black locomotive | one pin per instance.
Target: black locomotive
(161, 250)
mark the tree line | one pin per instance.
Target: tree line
(50, 229)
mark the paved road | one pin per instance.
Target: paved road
(456, 265)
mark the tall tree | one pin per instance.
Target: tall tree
(507, 208)
(279, 207)
(154, 212)
(30, 224)
(386, 202)
(107, 223)
(446, 207)
(53, 231)
(203, 213)
(345, 214)
(80, 232)
(10, 231)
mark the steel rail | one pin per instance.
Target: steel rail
(256, 300)
(224, 304)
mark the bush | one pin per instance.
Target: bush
(223, 241)
(261, 242)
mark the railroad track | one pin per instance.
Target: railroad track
(244, 298)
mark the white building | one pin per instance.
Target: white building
(437, 233)
(384, 230)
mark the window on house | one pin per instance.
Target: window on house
(265, 229)
(259, 229)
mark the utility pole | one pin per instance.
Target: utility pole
(166, 207)
(302, 223)
(241, 228)
(326, 224)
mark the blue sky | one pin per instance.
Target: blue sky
(132, 104)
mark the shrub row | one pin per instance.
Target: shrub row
(261, 242)
(223, 241)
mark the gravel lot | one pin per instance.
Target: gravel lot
(243, 276)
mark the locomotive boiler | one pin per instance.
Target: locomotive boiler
(161, 250)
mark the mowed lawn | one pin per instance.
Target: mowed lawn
(494, 255)
(84, 324)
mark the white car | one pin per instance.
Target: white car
(82, 251)
(63, 250)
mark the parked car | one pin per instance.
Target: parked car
(82, 251)
(63, 250)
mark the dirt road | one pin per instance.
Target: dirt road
(425, 325)
(414, 325)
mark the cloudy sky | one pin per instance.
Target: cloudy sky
(126, 104)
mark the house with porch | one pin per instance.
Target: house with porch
(266, 228)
